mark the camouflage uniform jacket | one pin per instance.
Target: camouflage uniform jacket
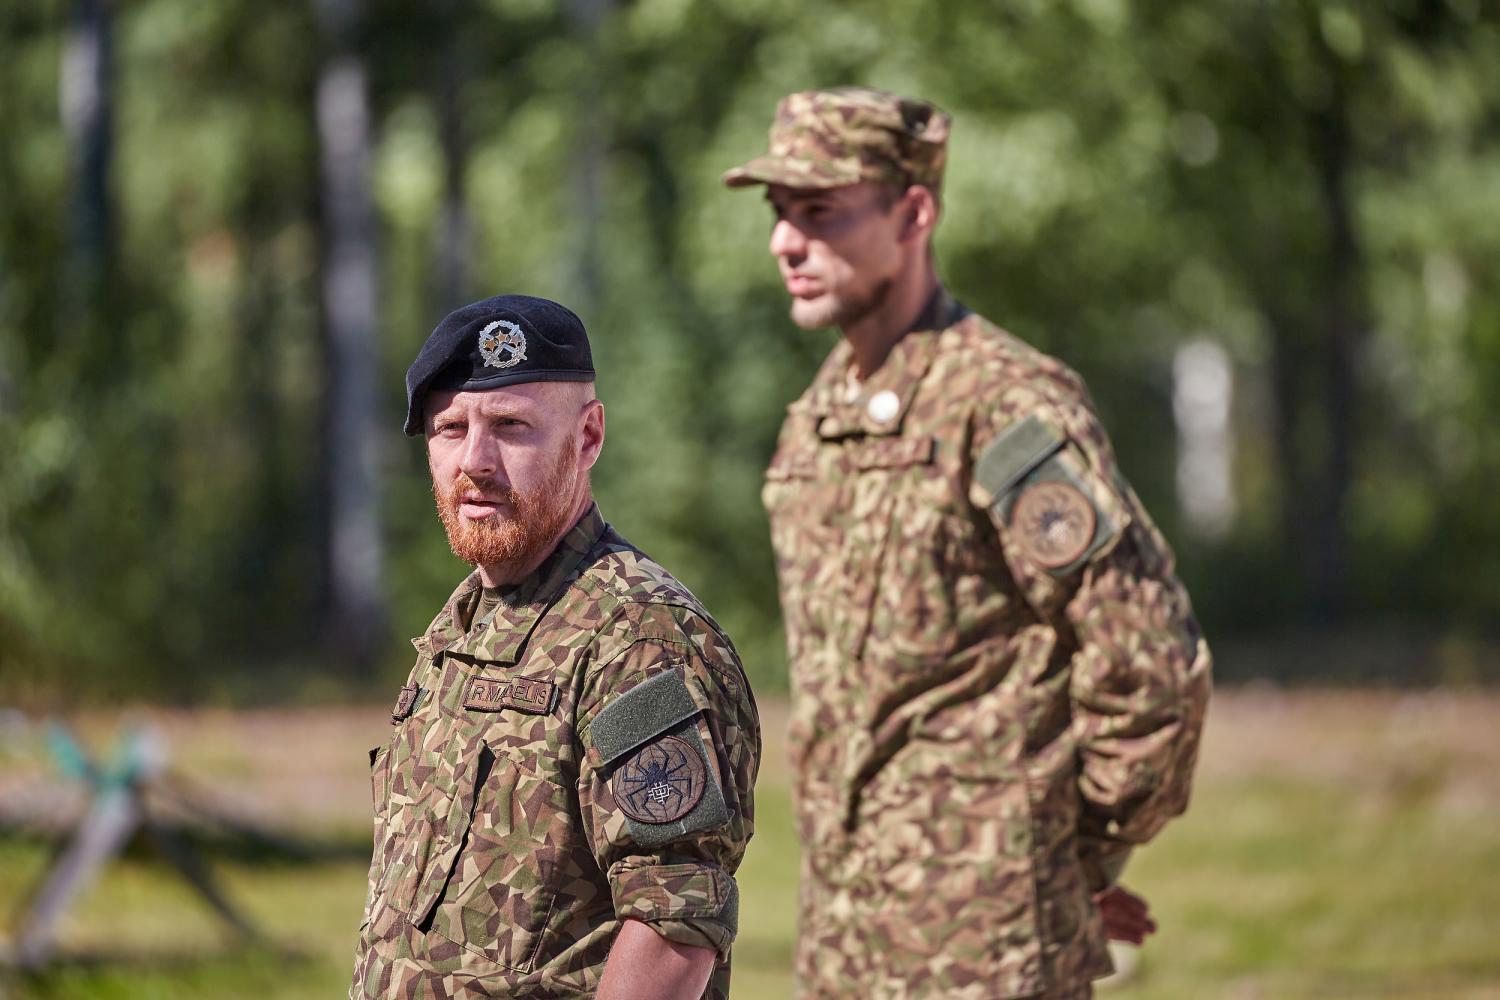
(509, 841)
(998, 684)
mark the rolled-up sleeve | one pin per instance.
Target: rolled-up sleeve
(667, 704)
(689, 903)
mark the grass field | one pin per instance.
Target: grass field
(1341, 844)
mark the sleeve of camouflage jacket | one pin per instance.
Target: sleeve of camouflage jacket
(1139, 678)
(679, 881)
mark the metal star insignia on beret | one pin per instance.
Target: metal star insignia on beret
(502, 350)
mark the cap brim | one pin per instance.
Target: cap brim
(535, 375)
(787, 171)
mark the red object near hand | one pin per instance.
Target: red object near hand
(1127, 917)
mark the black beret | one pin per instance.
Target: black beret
(499, 341)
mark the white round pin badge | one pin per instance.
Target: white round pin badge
(884, 406)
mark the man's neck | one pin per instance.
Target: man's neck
(872, 337)
(508, 576)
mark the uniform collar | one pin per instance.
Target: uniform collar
(501, 638)
(877, 406)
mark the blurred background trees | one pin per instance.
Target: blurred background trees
(1258, 228)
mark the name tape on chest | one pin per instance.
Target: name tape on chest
(525, 694)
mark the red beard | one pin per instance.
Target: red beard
(522, 532)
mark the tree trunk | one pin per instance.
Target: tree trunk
(1343, 319)
(87, 113)
(1316, 338)
(591, 142)
(356, 614)
(451, 74)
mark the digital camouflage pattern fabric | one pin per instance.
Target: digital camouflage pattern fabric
(829, 138)
(989, 706)
(504, 859)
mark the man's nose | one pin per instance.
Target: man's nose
(787, 240)
(480, 458)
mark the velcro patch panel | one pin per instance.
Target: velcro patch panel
(1015, 452)
(645, 711)
(661, 776)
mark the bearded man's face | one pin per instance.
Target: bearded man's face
(510, 470)
(491, 523)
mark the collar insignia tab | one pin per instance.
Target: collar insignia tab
(405, 703)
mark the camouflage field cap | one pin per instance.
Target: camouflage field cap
(829, 138)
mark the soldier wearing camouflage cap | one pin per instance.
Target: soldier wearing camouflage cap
(998, 684)
(567, 790)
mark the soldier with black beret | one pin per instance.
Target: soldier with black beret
(568, 787)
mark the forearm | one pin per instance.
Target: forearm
(643, 965)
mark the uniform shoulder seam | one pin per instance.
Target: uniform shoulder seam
(1000, 360)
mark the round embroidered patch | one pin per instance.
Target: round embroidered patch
(1053, 523)
(661, 782)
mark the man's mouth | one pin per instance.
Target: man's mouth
(802, 286)
(476, 507)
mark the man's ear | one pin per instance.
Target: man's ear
(591, 433)
(920, 209)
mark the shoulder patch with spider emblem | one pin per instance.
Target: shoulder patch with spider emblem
(659, 774)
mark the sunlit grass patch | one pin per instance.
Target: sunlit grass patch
(1339, 845)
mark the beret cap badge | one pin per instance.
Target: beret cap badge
(502, 344)
(496, 342)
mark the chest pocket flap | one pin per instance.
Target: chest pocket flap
(893, 453)
(788, 464)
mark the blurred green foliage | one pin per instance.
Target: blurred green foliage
(1315, 186)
